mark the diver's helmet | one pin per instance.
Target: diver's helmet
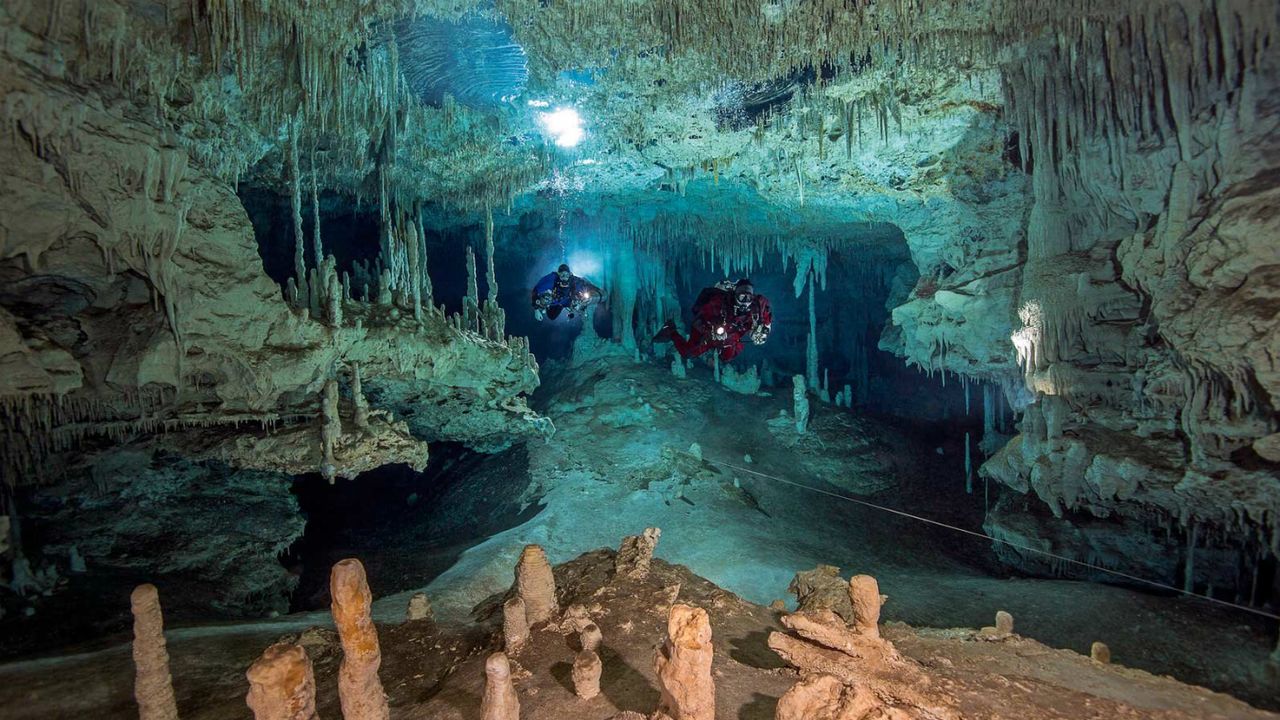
(743, 295)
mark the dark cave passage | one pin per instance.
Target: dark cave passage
(406, 526)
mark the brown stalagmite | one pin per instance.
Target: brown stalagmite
(515, 624)
(587, 667)
(636, 553)
(500, 701)
(536, 585)
(282, 685)
(419, 608)
(864, 595)
(823, 697)
(359, 688)
(1100, 653)
(153, 687)
(683, 665)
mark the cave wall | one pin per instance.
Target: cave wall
(1147, 318)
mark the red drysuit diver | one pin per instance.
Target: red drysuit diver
(722, 317)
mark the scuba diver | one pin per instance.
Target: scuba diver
(562, 290)
(722, 316)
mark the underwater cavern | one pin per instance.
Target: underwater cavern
(639, 359)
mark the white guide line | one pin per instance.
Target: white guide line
(975, 533)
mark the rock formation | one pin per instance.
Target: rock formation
(282, 685)
(500, 701)
(536, 585)
(587, 667)
(864, 597)
(824, 697)
(1003, 627)
(1100, 653)
(359, 688)
(153, 686)
(822, 588)
(419, 608)
(515, 625)
(636, 553)
(868, 672)
(683, 665)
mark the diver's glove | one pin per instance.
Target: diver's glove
(760, 333)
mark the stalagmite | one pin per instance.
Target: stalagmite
(515, 625)
(500, 700)
(471, 303)
(636, 553)
(1100, 653)
(361, 414)
(823, 697)
(1003, 627)
(331, 430)
(586, 665)
(811, 345)
(677, 365)
(419, 608)
(683, 665)
(153, 687)
(282, 685)
(864, 594)
(800, 403)
(537, 585)
(359, 688)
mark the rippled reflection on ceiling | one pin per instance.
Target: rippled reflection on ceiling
(474, 59)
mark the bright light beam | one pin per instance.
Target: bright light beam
(564, 125)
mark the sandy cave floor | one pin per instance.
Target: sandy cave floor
(619, 463)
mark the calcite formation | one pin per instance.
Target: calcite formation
(359, 687)
(822, 588)
(683, 665)
(536, 585)
(587, 667)
(153, 685)
(824, 697)
(1100, 653)
(865, 599)
(636, 553)
(282, 685)
(419, 608)
(500, 701)
(868, 672)
(515, 624)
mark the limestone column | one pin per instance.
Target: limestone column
(536, 585)
(683, 665)
(359, 688)
(153, 686)
(500, 701)
(515, 625)
(282, 685)
(419, 608)
(864, 594)
(587, 667)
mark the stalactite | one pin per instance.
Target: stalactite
(330, 430)
(358, 400)
(295, 177)
(317, 249)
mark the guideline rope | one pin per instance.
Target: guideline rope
(985, 536)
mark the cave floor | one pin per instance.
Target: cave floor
(434, 671)
(621, 461)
